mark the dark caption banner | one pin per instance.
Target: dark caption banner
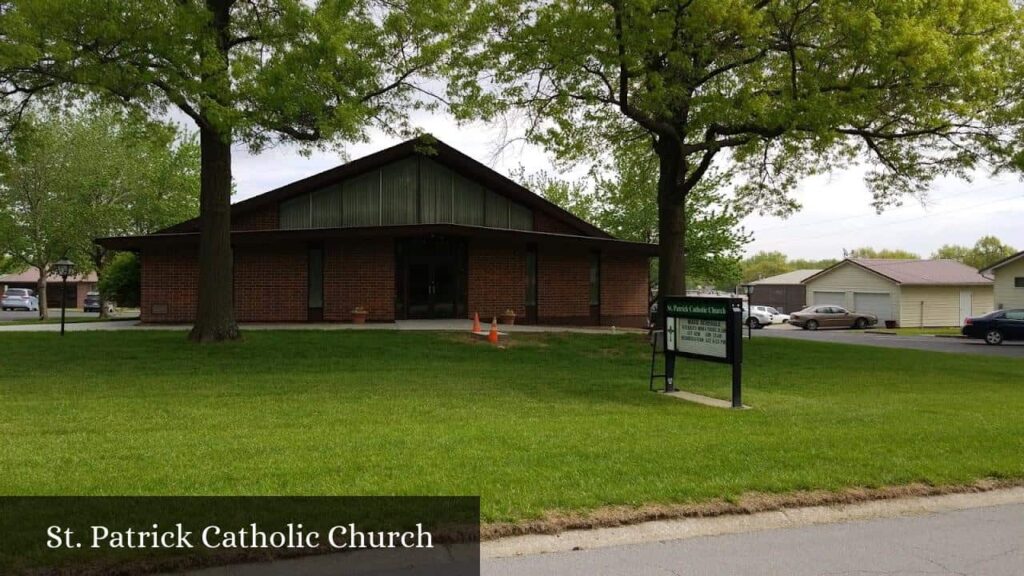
(410, 536)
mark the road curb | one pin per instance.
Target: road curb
(693, 527)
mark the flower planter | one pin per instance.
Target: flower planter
(508, 319)
(359, 316)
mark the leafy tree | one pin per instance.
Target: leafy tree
(620, 198)
(73, 178)
(122, 280)
(883, 254)
(986, 251)
(766, 264)
(778, 89)
(254, 72)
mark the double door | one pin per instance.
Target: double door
(432, 278)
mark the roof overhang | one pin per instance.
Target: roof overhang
(1003, 262)
(277, 237)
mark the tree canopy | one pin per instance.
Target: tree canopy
(780, 90)
(619, 196)
(881, 253)
(986, 251)
(767, 264)
(66, 179)
(254, 72)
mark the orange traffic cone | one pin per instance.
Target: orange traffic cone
(476, 323)
(492, 336)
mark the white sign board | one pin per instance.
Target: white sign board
(698, 336)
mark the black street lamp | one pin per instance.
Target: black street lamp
(63, 268)
(748, 289)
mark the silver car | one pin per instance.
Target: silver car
(758, 316)
(19, 299)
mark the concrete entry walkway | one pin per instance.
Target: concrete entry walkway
(444, 325)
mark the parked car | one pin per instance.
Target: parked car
(778, 317)
(815, 317)
(92, 302)
(758, 316)
(19, 299)
(996, 327)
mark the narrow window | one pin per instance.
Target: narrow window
(595, 278)
(531, 276)
(316, 277)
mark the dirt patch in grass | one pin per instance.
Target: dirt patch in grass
(555, 522)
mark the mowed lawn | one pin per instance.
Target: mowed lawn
(553, 422)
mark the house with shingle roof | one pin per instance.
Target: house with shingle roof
(1008, 281)
(911, 293)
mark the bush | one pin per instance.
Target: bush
(120, 281)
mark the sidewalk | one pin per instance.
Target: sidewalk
(446, 325)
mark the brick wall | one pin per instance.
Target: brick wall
(624, 289)
(265, 218)
(271, 284)
(496, 280)
(361, 274)
(563, 286)
(168, 285)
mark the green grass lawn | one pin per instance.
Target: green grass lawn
(553, 422)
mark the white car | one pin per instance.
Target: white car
(758, 316)
(778, 317)
(19, 299)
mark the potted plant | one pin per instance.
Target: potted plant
(508, 317)
(359, 315)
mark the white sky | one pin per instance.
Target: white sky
(836, 211)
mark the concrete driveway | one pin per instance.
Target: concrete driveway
(929, 343)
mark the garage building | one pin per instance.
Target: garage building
(911, 293)
(784, 292)
(1008, 277)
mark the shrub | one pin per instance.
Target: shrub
(120, 281)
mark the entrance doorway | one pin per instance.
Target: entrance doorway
(431, 278)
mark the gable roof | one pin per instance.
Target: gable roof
(1004, 262)
(915, 272)
(428, 147)
(794, 277)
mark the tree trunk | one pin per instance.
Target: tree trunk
(41, 293)
(671, 220)
(215, 312)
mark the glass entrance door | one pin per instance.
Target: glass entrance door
(434, 270)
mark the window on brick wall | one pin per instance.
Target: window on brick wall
(595, 278)
(316, 278)
(531, 276)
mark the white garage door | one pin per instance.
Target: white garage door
(878, 304)
(829, 298)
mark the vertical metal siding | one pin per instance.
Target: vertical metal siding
(326, 206)
(414, 190)
(496, 210)
(294, 213)
(361, 200)
(398, 193)
(468, 202)
(436, 184)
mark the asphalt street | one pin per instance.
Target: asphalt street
(975, 542)
(931, 343)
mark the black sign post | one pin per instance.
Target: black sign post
(705, 328)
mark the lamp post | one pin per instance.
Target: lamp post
(64, 268)
(748, 289)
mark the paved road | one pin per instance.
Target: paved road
(976, 542)
(931, 343)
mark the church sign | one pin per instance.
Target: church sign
(704, 328)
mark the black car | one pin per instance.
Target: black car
(995, 327)
(92, 302)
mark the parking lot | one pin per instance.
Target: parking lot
(931, 343)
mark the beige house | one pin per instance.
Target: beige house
(912, 293)
(1008, 281)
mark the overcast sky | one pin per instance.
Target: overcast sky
(836, 211)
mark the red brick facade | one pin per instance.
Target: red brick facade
(359, 275)
(496, 280)
(271, 283)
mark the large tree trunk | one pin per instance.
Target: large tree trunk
(671, 220)
(41, 294)
(215, 313)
